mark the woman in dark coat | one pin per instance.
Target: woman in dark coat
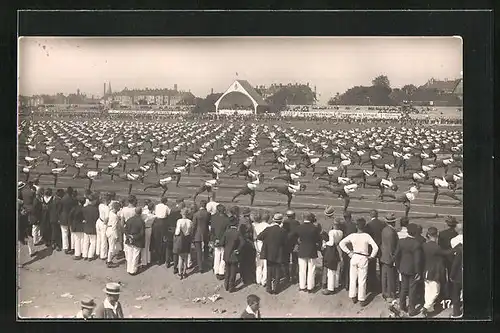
(332, 258)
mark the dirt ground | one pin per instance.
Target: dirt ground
(51, 284)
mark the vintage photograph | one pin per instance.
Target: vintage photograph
(240, 177)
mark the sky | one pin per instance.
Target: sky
(48, 65)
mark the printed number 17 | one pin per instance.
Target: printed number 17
(446, 303)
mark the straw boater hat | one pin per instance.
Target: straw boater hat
(278, 218)
(329, 211)
(290, 213)
(112, 288)
(20, 185)
(87, 302)
(390, 218)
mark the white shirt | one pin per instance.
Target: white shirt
(350, 188)
(112, 226)
(258, 228)
(334, 237)
(211, 183)
(148, 217)
(212, 207)
(457, 240)
(440, 183)
(359, 242)
(403, 233)
(103, 212)
(161, 211)
(184, 225)
(127, 212)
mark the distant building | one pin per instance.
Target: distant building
(163, 97)
(443, 86)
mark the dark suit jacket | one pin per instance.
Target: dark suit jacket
(456, 270)
(246, 230)
(51, 210)
(310, 240)
(349, 228)
(232, 241)
(170, 223)
(220, 223)
(374, 228)
(389, 238)
(290, 225)
(75, 218)
(201, 220)
(434, 256)
(67, 204)
(409, 256)
(28, 197)
(274, 241)
(135, 228)
(445, 237)
(90, 215)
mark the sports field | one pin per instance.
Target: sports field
(172, 298)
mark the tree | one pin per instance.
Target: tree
(381, 81)
(409, 89)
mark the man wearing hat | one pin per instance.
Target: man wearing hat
(434, 269)
(444, 241)
(309, 243)
(87, 305)
(220, 223)
(374, 228)
(233, 243)
(135, 233)
(274, 241)
(360, 243)
(110, 308)
(247, 263)
(409, 262)
(291, 272)
(90, 217)
(389, 243)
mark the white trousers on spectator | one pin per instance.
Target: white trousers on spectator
(333, 278)
(431, 293)
(101, 239)
(31, 246)
(112, 246)
(219, 264)
(132, 254)
(78, 242)
(261, 271)
(72, 241)
(65, 237)
(307, 271)
(358, 273)
(89, 242)
(36, 233)
(145, 254)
